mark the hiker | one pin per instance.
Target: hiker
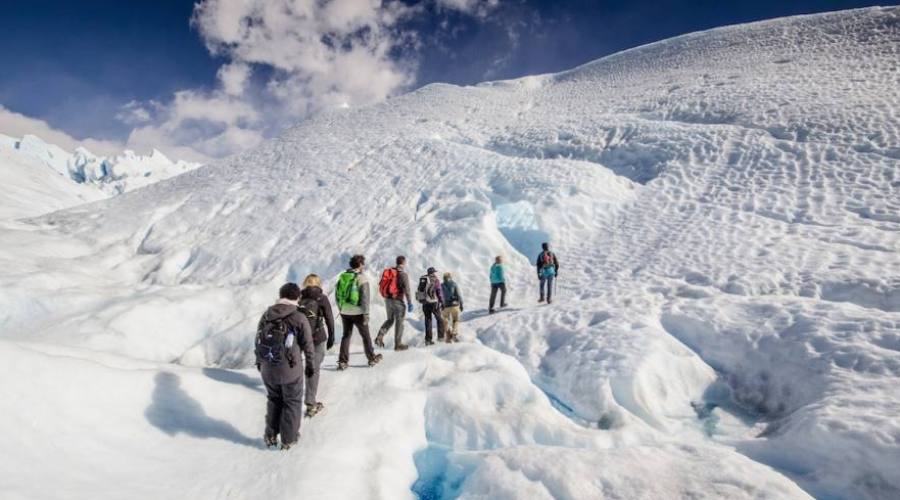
(352, 294)
(315, 305)
(429, 294)
(282, 333)
(394, 287)
(452, 306)
(547, 270)
(498, 282)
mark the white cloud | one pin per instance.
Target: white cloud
(234, 78)
(285, 59)
(317, 55)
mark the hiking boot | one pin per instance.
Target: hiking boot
(401, 347)
(491, 311)
(429, 342)
(540, 300)
(271, 441)
(312, 410)
(287, 446)
(375, 359)
(342, 365)
(379, 340)
(549, 301)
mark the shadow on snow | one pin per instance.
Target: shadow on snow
(174, 411)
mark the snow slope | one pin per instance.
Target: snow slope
(724, 205)
(37, 177)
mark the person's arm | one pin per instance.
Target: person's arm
(555, 264)
(502, 273)
(364, 296)
(305, 341)
(537, 263)
(404, 287)
(458, 296)
(329, 319)
(258, 328)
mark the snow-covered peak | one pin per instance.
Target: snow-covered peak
(107, 175)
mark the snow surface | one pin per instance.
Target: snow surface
(37, 177)
(725, 208)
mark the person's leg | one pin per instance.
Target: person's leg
(502, 294)
(312, 383)
(549, 288)
(454, 317)
(543, 283)
(427, 312)
(445, 317)
(347, 324)
(363, 326)
(441, 326)
(494, 288)
(292, 411)
(400, 318)
(389, 309)
(273, 409)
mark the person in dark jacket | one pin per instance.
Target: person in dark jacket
(498, 283)
(397, 308)
(547, 270)
(284, 379)
(453, 305)
(431, 296)
(316, 303)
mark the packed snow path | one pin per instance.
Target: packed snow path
(725, 205)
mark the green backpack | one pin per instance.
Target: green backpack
(347, 291)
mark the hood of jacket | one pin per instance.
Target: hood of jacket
(279, 311)
(312, 292)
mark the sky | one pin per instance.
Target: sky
(203, 79)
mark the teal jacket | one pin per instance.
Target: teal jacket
(497, 275)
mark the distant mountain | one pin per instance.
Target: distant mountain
(37, 177)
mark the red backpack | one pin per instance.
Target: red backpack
(547, 259)
(388, 285)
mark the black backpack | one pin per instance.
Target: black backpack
(270, 342)
(426, 293)
(310, 308)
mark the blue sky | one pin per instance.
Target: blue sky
(111, 69)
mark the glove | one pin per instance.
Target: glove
(460, 308)
(409, 307)
(330, 343)
(310, 371)
(258, 367)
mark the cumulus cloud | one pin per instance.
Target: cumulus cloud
(284, 60)
(307, 55)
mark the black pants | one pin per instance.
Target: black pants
(361, 323)
(433, 310)
(284, 409)
(494, 288)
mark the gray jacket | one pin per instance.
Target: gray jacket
(284, 373)
(364, 296)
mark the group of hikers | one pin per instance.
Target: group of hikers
(293, 334)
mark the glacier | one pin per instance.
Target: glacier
(725, 208)
(37, 177)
